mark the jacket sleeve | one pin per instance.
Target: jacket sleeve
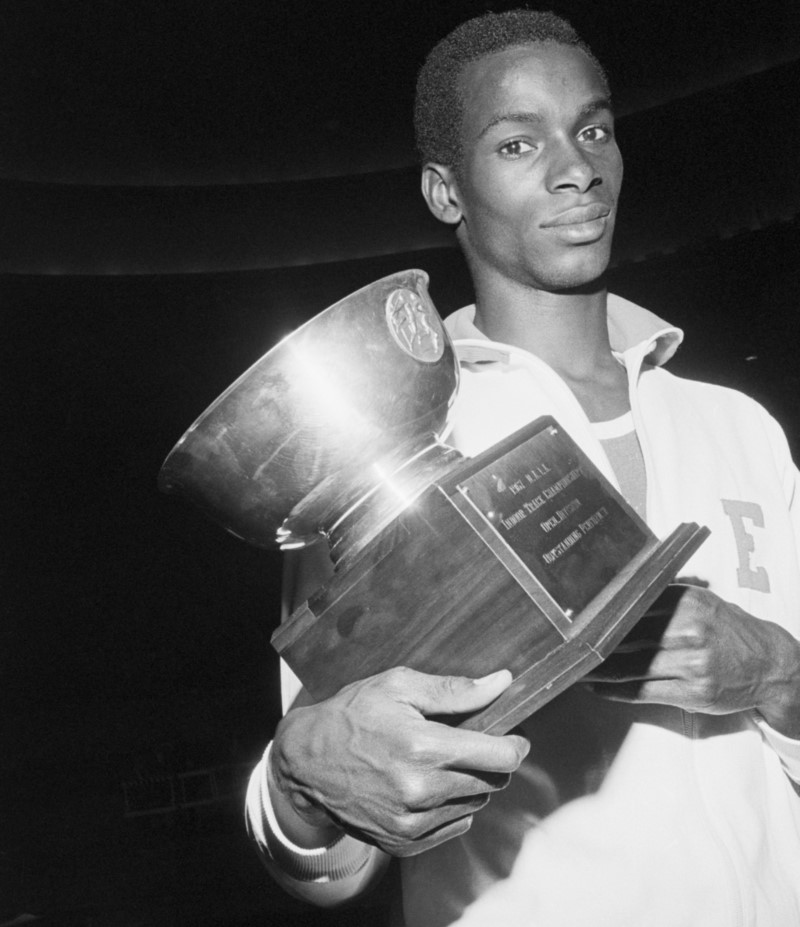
(788, 750)
(345, 868)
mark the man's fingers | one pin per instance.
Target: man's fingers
(654, 691)
(434, 837)
(644, 665)
(618, 692)
(444, 695)
(448, 747)
(624, 666)
(415, 830)
(648, 633)
(454, 748)
(462, 789)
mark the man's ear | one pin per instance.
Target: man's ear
(440, 190)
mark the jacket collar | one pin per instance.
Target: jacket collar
(630, 328)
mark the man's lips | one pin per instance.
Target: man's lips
(577, 215)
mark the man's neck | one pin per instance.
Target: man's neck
(568, 331)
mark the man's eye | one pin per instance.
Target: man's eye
(515, 148)
(593, 134)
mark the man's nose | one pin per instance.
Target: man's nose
(571, 169)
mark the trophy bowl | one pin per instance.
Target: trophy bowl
(350, 406)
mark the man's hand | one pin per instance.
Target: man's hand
(368, 760)
(697, 652)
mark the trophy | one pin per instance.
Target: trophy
(523, 557)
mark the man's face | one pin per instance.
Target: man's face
(541, 171)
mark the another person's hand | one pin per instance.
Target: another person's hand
(368, 760)
(697, 652)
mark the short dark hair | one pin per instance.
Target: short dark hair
(438, 107)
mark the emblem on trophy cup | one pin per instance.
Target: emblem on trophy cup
(415, 325)
(523, 557)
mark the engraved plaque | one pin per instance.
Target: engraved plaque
(556, 512)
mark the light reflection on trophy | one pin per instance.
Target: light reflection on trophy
(523, 557)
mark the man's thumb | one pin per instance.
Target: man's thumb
(441, 695)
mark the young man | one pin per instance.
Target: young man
(662, 792)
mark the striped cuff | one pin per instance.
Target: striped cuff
(342, 857)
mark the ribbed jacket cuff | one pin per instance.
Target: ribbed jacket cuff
(341, 858)
(787, 749)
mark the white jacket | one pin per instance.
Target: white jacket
(663, 818)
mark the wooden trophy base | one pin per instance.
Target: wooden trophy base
(522, 558)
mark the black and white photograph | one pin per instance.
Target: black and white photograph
(401, 521)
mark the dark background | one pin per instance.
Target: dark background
(182, 183)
